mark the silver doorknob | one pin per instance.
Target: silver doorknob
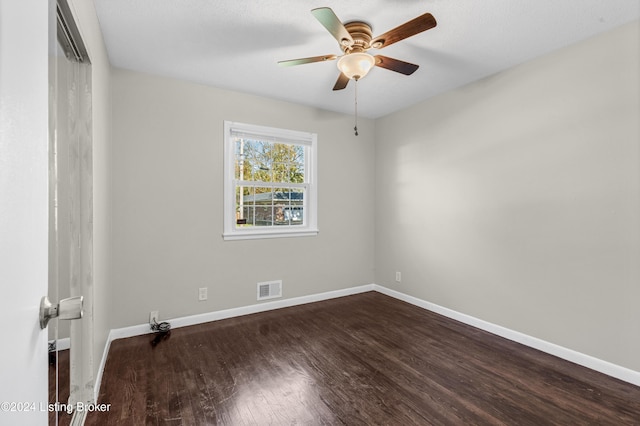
(66, 309)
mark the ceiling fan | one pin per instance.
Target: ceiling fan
(355, 40)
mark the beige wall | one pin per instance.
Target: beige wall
(516, 199)
(167, 195)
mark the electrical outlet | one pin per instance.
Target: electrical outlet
(202, 293)
(154, 316)
(398, 277)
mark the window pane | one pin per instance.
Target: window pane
(297, 209)
(261, 196)
(243, 213)
(239, 159)
(247, 217)
(281, 196)
(268, 161)
(294, 215)
(264, 215)
(280, 204)
(297, 195)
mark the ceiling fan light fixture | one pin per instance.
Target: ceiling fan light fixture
(356, 65)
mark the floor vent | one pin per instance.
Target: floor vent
(269, 290)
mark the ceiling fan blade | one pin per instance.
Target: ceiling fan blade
(330, 21)
(342, 82)
(406, 30)
(396, 65)
(301, 61)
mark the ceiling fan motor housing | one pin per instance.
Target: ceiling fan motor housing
(361, 34)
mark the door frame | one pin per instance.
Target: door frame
(74, 140)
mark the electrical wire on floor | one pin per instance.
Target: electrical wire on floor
(162, 332)
(53, 353)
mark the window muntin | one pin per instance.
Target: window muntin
(270, 188)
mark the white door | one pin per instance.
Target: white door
(23, 209)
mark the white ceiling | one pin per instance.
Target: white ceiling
(235, 44)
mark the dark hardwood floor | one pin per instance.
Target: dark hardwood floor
(357, 360)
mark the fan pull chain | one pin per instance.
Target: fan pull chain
(355, 128)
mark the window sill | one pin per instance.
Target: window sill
(263, 234)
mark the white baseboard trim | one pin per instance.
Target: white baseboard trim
(588, 361)
(137, 330)
(62, 344)
(103, 361)
(576, 357)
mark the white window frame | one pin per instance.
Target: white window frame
(310, 204)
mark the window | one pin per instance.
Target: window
(269, 182)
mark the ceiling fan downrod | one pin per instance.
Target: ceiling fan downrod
(355, 128)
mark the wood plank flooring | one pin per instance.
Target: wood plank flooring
(366, 359)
